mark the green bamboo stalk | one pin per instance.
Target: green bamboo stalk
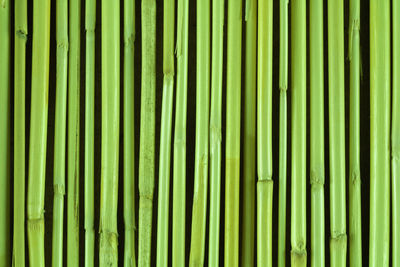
(199, 209)
(21, 30)
(129, 135)
(232, 152)
(165, 136)
(249, 143)
(283, 85)
(110, 91)
(90, 27)
(73, 133)
(147, 131)
(396, 134)
(379, 234)
(38, 131)
(337, 157)
(5, 206)
(317, 158)
(264, 133)
(355, 245)
(60, 130)
(299, 125)
(179, 170)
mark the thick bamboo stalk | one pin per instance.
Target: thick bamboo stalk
(90, 27)
(166, 131)
(379, 232)
(264, 133)
(249, 139)
(129, 135)
(179, 170)
(355, 245)
(5, 37)
(299, 125)
(38, 131)
(232, 152)
(147, 130)
(60, 130)
(317, 155)
(199, 210)
(20, 37)
(110, 99)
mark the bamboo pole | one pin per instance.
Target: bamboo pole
(249, 140)
(179, 170)
(355, 245)
(38, 131)
(147, 131)
(165, 135)
(199, 210)
(232, 164)
(5, 205)
(110, 127)
(264, 133)
(299, 123)
(20, 37)
(129, 135)
(379, 234)
(317, 157)
(60, 130)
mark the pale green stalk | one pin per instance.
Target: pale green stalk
(129, 135)
(379, 232)
(199, 214)
(232, 152)
(90, 27)
(60, 131)
(179, 170)
(38, 131)
(317, 149)
(355, 245)
(110, 129)
(249, 139)
(5, 204)
(165, 135)
(20, 35)
(299, 141)
(264, 133)
(147, 130)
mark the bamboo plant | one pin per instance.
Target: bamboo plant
(199, 211)
(264, 133)
(38, 131)
(215, 129)
(317, 157)
(379, 232)
(299, 124)
(110, 116)
(60, 130)
(249, 144)
(179, 168)
(147, 131)
(90, 26)
(165, 135)
(232, 152)
(355, 245)
(129, 135)
(5, 37)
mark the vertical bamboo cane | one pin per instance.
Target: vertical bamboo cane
(379, 233)
(21, 29)
(233, 94)
(299, 123)
(355, 245)
(38, 131)
(110, 127)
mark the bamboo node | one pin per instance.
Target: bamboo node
(317, 179)
(395, 155)
(355, 177)
(59, 189)
(21, 33)
(36, 225)
(129, 41)
(63, 45)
